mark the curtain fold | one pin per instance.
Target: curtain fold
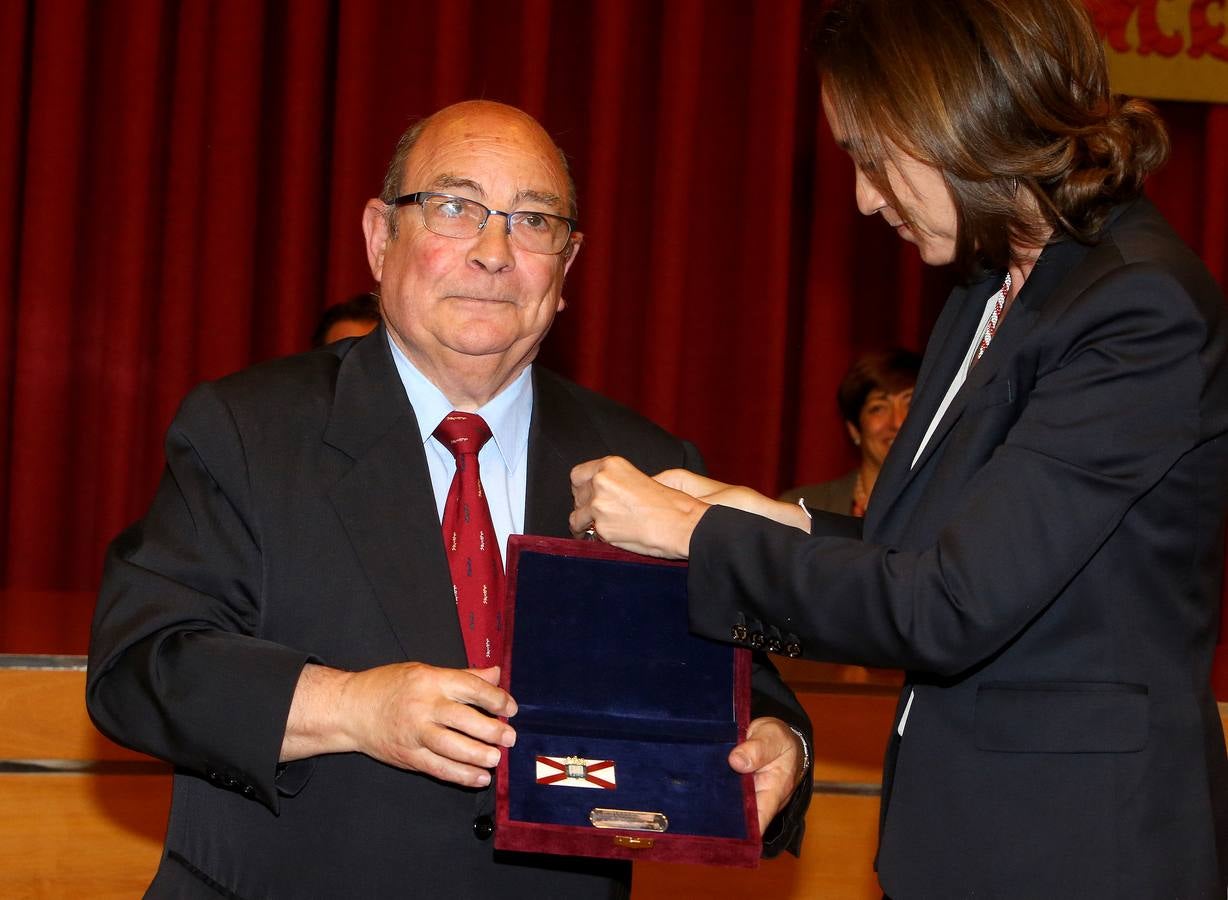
(182, 184)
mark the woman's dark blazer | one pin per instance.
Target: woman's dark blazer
(1048, 572)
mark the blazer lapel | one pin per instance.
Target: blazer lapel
(944, 354)
(561, 435)
(387, 506)
(1017, 323)
(1054, 276)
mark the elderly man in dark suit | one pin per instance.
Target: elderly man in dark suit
(283, 624)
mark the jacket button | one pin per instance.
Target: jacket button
(483, 827)
(249, 791)
(793, 649)
(756, 640)
(738, 632)
(773, 644)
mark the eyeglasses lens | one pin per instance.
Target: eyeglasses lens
(460, 218)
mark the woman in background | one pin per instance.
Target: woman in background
(873, 397)
(1044, 551)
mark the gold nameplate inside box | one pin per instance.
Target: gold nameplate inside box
(630, 819)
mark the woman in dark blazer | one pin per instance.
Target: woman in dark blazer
(1044, 548)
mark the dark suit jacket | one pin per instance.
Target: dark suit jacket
(1049, 572)
(296, 522)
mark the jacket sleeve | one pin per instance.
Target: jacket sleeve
(770, 696)
(1114, 405)
(175, 667)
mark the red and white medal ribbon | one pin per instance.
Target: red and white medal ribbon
(995, 315)
(576, 771)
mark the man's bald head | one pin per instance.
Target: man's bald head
(483, 114)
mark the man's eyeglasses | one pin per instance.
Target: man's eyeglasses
(458, 217)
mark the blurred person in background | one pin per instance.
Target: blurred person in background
(873, 397)
(350, 318)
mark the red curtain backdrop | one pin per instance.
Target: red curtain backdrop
(181, 187)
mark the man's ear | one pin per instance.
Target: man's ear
(571, 251)
(375, 228)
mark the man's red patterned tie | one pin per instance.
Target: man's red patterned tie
(470, 543)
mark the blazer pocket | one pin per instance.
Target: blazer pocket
(995, 393)
(1061, 717)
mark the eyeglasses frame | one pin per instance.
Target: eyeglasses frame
(418, 197)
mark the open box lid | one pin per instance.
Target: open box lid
(600, 659)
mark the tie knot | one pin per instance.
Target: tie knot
(463, 432)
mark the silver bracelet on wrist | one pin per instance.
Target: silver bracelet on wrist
(805, 748)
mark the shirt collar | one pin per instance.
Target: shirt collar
(507, 413)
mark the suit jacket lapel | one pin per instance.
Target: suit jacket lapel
(1015, 325)
(944, 354)
(1054, 276)
(561, 435)
(387, 506)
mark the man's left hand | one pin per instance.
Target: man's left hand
(773, 754)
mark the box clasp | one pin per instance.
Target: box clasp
(634, 842)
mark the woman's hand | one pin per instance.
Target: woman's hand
(628, 509)
(656, 516)
(717, 493)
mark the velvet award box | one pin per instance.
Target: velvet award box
(625, 718)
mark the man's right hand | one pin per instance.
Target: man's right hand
(410, 715)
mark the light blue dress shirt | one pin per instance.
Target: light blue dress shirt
(503, 460)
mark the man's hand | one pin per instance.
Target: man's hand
(410, 715)
(773, 754)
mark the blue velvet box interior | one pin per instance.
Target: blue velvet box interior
(603, 666)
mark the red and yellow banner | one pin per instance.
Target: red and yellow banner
(1166, 49)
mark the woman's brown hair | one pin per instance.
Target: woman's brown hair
(999, 95)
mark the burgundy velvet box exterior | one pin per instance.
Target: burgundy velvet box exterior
(602, 665)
